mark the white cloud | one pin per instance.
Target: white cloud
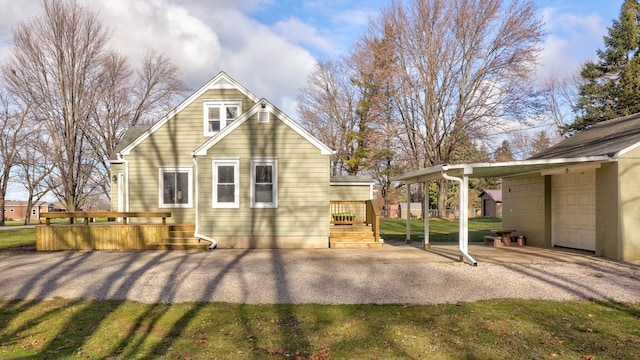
(572, 40)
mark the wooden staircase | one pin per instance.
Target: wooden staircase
(352, 236)
(180, 238)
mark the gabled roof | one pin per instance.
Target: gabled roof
(608, 138)
(262, 104)
(220, 81)
(348, 180)
(495, 195)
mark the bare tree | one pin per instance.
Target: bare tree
(561, 96)
(327, 108)
(83, 95)
(13, 131)
(34, 169)
(461, 67)
(128, 98)
(53, 66)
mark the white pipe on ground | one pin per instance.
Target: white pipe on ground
(463, 240)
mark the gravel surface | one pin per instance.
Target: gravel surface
(406, 275)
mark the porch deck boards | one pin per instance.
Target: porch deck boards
(352, 237)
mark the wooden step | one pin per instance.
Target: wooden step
(355, 245)
(352, 236)
(180, 238)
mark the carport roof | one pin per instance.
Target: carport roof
(501, 169)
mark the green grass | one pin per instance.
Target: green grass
(503, 329)
(15, 238)
(439, 230)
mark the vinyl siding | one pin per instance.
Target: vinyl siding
(607, 234)
(350, 192)
(171, 146)
(115, 169)
(629, 206)
(303, 185)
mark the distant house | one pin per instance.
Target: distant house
(238, 170)
(17, 210)
(491, 203)
(413, 210)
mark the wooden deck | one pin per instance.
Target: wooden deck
(114, 235)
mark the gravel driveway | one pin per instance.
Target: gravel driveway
(393, 274)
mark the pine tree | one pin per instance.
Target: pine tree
(612, 84)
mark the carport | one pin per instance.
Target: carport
(462, 172)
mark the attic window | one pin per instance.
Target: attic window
(263, 116)
(219, 114)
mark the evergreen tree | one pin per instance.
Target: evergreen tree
(612, 84)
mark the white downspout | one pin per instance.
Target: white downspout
(126, 180)
(407, 240)
(425, 217)
(196, 201)
(463, 242)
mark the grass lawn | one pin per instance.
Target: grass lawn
(439, 230)
(64, 329)
(15, 238)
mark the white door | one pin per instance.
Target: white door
(573, 210)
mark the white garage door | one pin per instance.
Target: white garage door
(573, 214)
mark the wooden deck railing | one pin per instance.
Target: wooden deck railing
(89, 215)
(356, 213)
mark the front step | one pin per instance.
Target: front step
(352, 236)
(180, 238)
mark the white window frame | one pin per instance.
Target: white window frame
(178, 169)
(273, 162)
(223, 113)
(235, 162)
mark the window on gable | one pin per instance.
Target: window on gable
(264, 183)
(226, 184)
(175, 187)
(219, 114)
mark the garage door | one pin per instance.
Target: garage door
(573, 216)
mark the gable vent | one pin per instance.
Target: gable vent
(263, 116)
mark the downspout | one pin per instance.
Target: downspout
(408, 211)
(463, 241)
(126, 180)
(196, 201)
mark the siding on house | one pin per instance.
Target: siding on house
(302, 216)
(607, 210)
(353, 192)
(527, 200)
(628, 242)
(171, 146)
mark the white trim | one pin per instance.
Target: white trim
(273, 162)
(222, 104)
(220, 81)
(202, 149)
(626, 150)
(214, 182)
(176, 169)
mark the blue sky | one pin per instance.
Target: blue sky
(270, 45)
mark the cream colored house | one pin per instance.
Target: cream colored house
(582, 193)
(234, 167)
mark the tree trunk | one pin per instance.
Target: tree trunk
(442, 198)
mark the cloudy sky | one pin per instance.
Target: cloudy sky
(270, 45)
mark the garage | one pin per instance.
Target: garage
(573, 215)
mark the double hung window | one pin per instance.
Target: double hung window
(226, 184)
(175, 187)
(264, 183)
